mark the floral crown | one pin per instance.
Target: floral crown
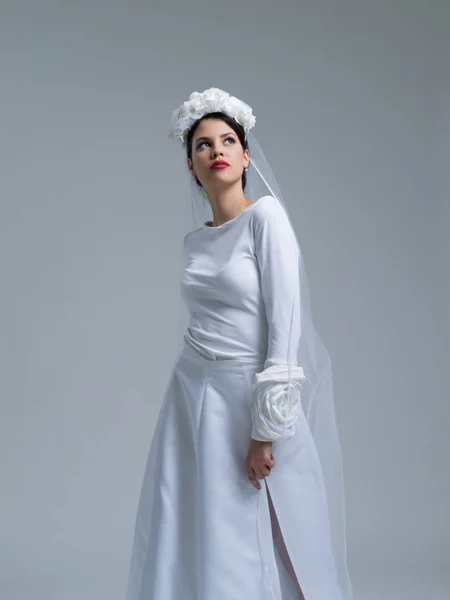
(200, 104)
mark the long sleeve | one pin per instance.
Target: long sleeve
(274, 397)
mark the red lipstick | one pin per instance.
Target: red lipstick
(219, 164)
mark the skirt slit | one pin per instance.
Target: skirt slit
(280, 546)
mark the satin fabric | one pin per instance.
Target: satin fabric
(203, 531)
(240, 283)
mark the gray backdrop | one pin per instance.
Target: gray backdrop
(349, 98)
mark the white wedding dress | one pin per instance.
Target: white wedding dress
(203, 531)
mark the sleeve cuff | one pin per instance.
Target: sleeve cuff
(274, 401)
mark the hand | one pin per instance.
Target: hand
(259, 461)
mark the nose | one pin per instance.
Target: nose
(216, 152)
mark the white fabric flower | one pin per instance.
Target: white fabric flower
(274, 401)
(202, 103)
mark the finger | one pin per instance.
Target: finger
(264, 470)
(254, 481)
(260, 474)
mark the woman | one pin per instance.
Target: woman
(242, 494)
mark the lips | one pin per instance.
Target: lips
(220, 164)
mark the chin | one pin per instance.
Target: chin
(222, 175)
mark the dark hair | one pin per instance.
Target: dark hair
(237, 128)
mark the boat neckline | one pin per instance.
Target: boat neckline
(204, 226)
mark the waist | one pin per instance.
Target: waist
(195, 352)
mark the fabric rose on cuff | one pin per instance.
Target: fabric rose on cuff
(274, 401)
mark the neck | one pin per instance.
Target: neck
(226, 203)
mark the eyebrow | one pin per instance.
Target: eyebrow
(203, 137)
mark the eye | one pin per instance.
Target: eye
(226, 139)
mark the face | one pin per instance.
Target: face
(215, 140)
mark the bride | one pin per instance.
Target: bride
(242, 496)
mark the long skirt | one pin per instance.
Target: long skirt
(203, 531)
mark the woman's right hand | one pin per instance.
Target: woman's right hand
(259, 461)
